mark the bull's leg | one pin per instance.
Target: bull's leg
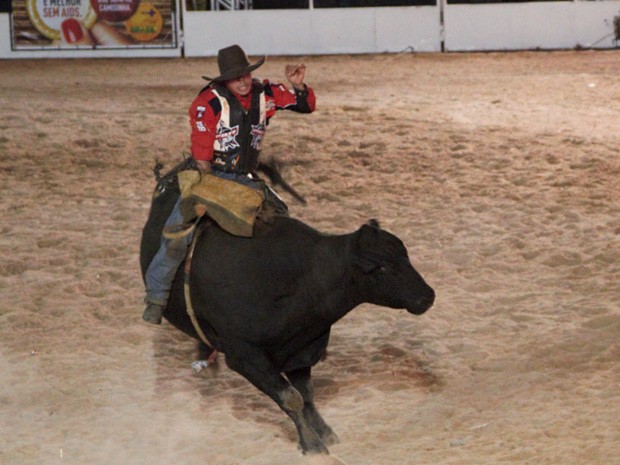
(301, 380)
(259, 371)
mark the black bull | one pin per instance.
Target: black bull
(268, 303)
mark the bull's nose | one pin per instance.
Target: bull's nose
(427, 300)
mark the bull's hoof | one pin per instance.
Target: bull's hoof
(330, 438)
(313, 447)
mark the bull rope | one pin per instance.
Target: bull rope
(188, 300)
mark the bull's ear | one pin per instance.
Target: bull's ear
(364, 247)
(366, 238)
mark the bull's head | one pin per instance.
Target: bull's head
(389, 279)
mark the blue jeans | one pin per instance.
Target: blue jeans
(163, 268)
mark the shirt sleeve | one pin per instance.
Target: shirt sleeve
(301, 101)
(204, 114)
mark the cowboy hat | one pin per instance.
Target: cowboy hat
(233, 63)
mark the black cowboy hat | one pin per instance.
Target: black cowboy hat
(233, 63)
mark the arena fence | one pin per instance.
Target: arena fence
(139, 28)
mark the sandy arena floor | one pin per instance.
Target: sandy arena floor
(500, 172)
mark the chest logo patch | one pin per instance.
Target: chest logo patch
(258, 131)
(227, 138)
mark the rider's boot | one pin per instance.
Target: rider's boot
(153, 313)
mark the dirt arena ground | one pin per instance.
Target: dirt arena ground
(500, 172)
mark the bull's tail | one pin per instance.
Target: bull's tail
(272, 171)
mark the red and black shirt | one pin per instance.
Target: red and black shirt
(227, 128)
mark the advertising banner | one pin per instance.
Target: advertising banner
(93, 24)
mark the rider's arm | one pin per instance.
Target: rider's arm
(204, 114)
(299, 100)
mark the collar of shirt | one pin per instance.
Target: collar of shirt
(245, 100)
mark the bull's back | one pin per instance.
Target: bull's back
(257, 268)
(263, 287)
(285, 244)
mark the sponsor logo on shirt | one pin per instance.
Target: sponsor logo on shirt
(200, 126)
(258, 131)
(227, 137)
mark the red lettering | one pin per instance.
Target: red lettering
(70, 12)
(51, 12)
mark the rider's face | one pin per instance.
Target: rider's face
(241, 85)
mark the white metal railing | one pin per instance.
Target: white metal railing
(217, 5)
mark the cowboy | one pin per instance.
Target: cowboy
(228, 118)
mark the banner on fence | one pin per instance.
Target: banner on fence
(93, 24)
